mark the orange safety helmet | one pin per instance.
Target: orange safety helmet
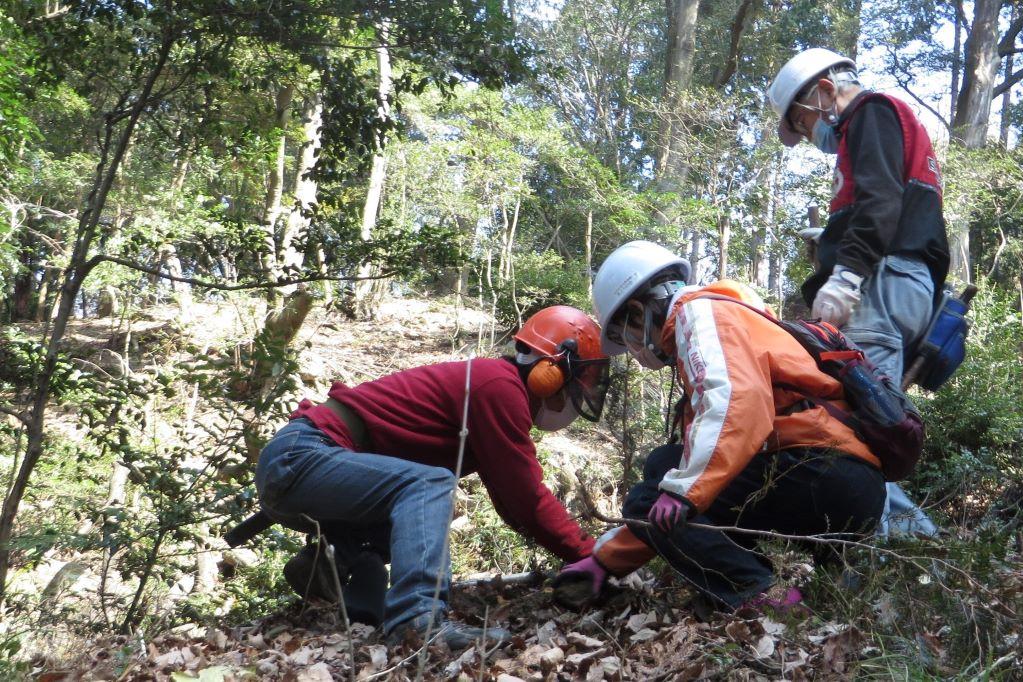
(567, 343)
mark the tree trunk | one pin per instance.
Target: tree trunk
(973, 110)
(1003, 128)
(678, 69)
(275, 187)
(280, 329)
(724, 237)
(296, 226)
(50, 275)
(957, 57)
(695, 250)
(589, 254)
(368, 291)
(24, 294)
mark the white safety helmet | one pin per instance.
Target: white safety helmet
(793, 77)
(622, 275)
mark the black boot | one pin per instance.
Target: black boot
(366, 589)
(364, 582)
(309, 575)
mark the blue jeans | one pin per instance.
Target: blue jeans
(894, 311)
(362, 497)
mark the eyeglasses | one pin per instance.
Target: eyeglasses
(799, 107)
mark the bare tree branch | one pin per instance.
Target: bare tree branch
(206, 284)
(20, 416)
(1010, 80)
(737, 29)
(904, 81)
(1007, 44)
(840, 539)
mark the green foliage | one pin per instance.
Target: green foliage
(974, 422)
(15, 69)
(541, 280)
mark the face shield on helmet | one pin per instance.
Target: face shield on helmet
(634, 329)
(580, 390)
(565, 369)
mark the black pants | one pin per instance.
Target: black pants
(799, 491)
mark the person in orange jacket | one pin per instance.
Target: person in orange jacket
(753, 453)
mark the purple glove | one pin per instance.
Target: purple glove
(587, 566)
(667, 512)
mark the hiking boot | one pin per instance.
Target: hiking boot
(364, 582)
(455, 635)
(309, 575)
(366, 588)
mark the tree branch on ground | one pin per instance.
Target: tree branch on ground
(818, 539)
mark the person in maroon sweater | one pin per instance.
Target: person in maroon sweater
(374, 465)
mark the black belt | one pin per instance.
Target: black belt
(352, 421)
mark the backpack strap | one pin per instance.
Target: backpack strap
(832, 409)
(836, 412)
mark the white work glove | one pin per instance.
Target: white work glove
(835, 300)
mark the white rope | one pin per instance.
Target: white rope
(462, 436)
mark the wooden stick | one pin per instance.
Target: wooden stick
(821, 539)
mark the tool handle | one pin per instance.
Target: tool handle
(248, 529)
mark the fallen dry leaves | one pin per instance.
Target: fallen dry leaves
(635, 636)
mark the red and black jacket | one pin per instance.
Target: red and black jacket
(886, 193)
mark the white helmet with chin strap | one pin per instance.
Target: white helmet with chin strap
(797, 73)
(624, 274)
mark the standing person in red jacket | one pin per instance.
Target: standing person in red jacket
(374, 464)
(882, 259)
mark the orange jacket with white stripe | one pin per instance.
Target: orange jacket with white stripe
(731, 361)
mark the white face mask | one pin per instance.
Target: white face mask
(548, 419)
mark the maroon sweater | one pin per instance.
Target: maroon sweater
(416, 415)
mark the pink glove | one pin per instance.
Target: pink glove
(667, 512)
(587, 566)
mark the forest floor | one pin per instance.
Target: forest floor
(642, 630)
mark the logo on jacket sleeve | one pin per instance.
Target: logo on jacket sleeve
(837, 182)
(932, 165)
